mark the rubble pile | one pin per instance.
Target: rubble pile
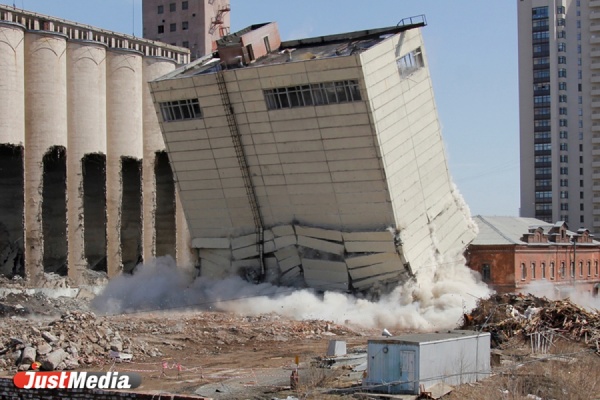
(75, 339)
(509, 315)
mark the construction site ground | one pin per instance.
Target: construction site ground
(226, 356)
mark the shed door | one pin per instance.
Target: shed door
(407, 371)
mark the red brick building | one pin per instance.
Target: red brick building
(510, 253)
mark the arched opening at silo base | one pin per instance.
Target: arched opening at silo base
(94, 210)
(54, 210)
(131, 213)
(11, 210)
(165, 224)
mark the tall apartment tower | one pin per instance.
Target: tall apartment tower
(195, 24)
(559, 96)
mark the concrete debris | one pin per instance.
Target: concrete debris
(508, 315)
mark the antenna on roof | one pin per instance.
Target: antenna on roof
(132, 17)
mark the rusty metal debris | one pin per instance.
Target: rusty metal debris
(537, 319)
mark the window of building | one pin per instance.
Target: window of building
(161, 29)
(578, 24)
(596, 268)
(161, 9)
(564, 182)
(184, 5)
(563, 135)
(564, 158)
(544, 35)
(541, 111)
(486, 273)
(541, 61)
(312, 95)
(560, 22)
(542, 159)
(532, 271)
(539, 12)
(184, 26)
(172, 7)
(560, 10)
(543, 195)
(562, 85)
(580, 171)
(552, 270)
(186, 44)
(564, 194)
(562, 122)
(173, 27)
(562, 110)
(542, 147)
(543, 171)
(564, 170)
(409, 63)
(541, 49)
(178, 110)
(562, 98)
(589, 268)
(581, 219)
(564, 206)
(579, 87)
(581, 195)
(561, 34)
(543, 207)
(523, 271)
(564, 147)
(250, 52)
(563, 271)
(267, 44)
(580, 268)
(562, 73)
(562, 47)
(543, 270)
(572, 269)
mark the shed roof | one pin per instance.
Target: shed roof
(432, 337)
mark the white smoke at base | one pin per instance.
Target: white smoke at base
(553, 292)
(442, 292)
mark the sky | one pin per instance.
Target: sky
(471, 47)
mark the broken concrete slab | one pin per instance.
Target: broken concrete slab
(386, 267)
(318, 233)
(289, 263)
(244, 241)
(217, 256)
(286, 252)
(325, 275)
(370, 247)
(245, 252)
(385, 236)
(369, 282)
(321, 245)
(285, 241)
(283, 230)
(363, 261)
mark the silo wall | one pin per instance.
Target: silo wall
(45, 127)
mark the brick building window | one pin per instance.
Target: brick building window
(596, 267)
(161, 29)
(184, 5)
(172, 7)
(563, 271)
(581, 268)
(589, 265)
(552, 270)
(523, 271)
(486, 272)
(532, 271)
(543, 270)
(161, 9)
(173, 27)
(572, 269)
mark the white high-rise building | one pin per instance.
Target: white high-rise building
(559, 99)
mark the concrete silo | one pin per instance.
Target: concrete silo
(124, 90)
(46, 141)
(12, 139)
(162, 239)
(86, 156)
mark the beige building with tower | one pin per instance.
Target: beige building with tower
(559, 101)
(194, 24)
(317, 161)
(85, 180)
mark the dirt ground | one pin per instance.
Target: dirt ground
(226, 356)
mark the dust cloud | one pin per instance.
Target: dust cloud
(436, 300)
(553, 292)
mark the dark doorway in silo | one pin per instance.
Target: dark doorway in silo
(131, 213)
(54, 210)
(94, 210)
(165, 206)
(11, 210)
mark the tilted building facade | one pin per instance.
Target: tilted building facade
(318, 159)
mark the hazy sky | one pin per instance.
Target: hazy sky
(472, 51)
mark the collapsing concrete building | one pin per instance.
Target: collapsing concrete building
(85, 182)
(317, 161)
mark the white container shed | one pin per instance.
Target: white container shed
(406, 364)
